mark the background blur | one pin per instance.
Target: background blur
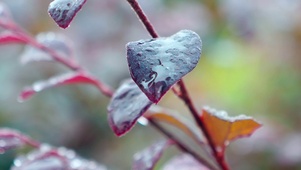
(251, 64)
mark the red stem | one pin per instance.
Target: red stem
(184, 93)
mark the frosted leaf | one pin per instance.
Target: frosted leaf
(126, 106)
(56, 42)
(223, 129)
(157, 64)
(184, 162)
(64, 79)
(147, 158)
(9, 139)
(50, 158)
(63, 11)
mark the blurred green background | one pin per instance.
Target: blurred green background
(250, 64)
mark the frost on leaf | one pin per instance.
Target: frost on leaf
(126, 106)
(184, 162)
(223, 129)
(68, 78)
(157, 64)
(57, 42)
(147, 158)
(63, 11)
(10, 139)
(9, 37)
(49, 158)
(158, 114)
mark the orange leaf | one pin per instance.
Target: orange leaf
(188, 126)
(223, 129)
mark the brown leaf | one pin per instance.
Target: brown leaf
(223, 129)
(188, 126)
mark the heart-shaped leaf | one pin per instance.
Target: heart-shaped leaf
(157, 64)
(223, 129)
(57, 42)
(49, 158)
(184, 162)
(63, 11)
(147, 158)
(68, 78)
(127, 105)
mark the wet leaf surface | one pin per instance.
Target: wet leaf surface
(56, 42)
(147, 158)
(157, 64)
(184, 162)
(224, 129)
(63, 11)
(9, 37)
(188, 126)
(126, 106)
(49, 158)
(10, 139)
(65, 79)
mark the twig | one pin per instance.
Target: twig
(184, 93)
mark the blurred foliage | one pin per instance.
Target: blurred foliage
(250, 64)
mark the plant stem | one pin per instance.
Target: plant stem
(180, 145)
(184, 93)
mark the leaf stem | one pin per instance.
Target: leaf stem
(184, 95)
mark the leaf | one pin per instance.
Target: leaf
(224, 129)
(126, 106)
(184, 162)
(49, 158)
(63, 11)
(9, 37)
(64, 79)
(10, 139)
(56, 42)
(147, 158)
(4, 12)
(157, 64)
(188, 126)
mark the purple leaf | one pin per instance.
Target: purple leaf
(184, 162)
(68, 78)
(11, 139)
(147, 158)
(56, 42)
(157, 64)
(63, 11)
(49, 158)
(127, 105)
(9, 37)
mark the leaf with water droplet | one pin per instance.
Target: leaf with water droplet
(56, 42)
(188, 126)
(157, 64)
(147, 158)
(63, 11)
(9, 37)
(126, 106)
(184, 162)
(50, 158)
(223, 128)
(10, 139)
(64, 79)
